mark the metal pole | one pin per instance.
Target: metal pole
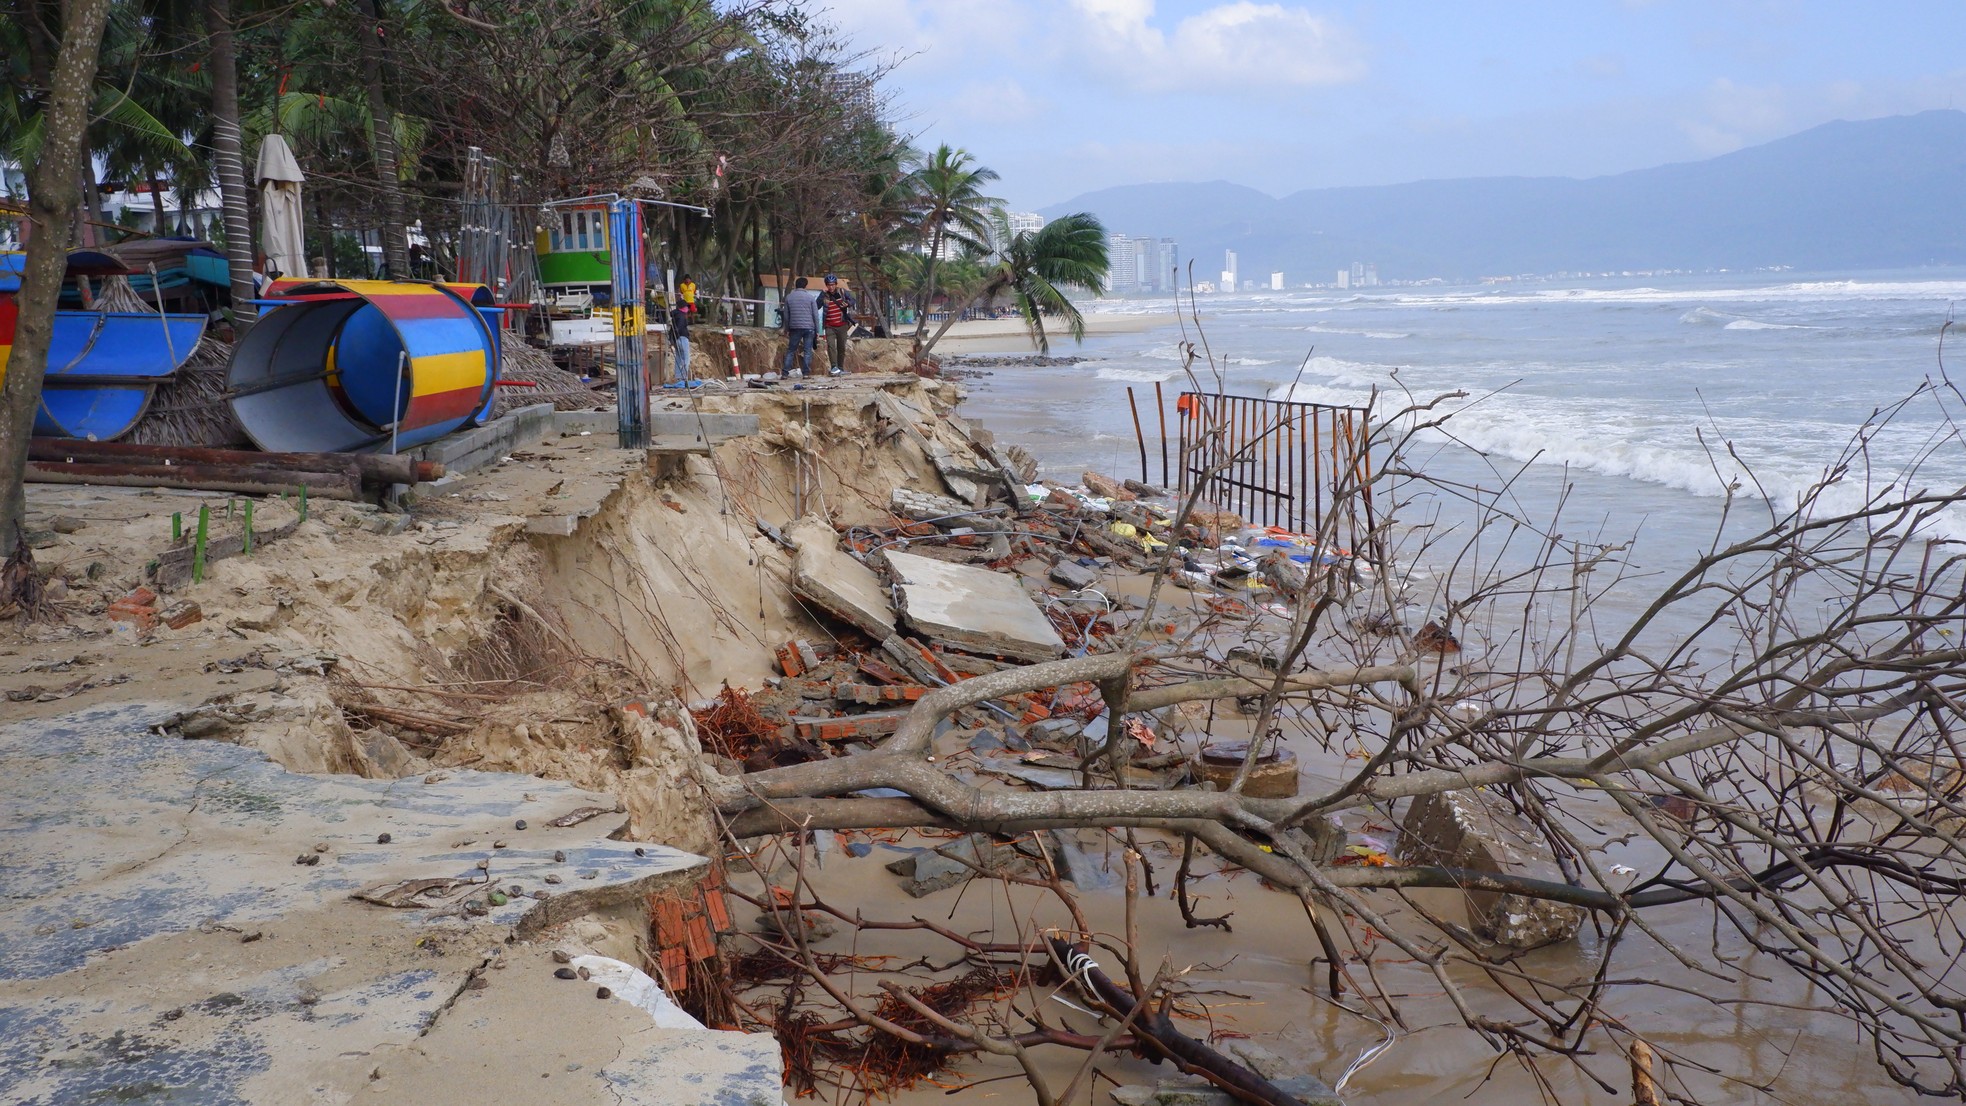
(396, 398)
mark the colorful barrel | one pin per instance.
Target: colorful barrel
(493, 317)
(352, 365)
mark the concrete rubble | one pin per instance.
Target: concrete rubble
(1466, 829)
(217, 858)
(971, 608)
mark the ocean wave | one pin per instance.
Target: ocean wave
(1136, 376)
(1386, 335)
(1757, 324)
(1822, 291)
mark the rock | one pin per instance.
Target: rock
(1465, 829)
(817, 926)
(1072, 575)
(972, 608)
(388, 524)
(841, 586)
(1151, 490)
(1105, 487)
(927, 871)
(1435, 638)
(65, 524)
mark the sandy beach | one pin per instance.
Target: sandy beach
(1010, 335)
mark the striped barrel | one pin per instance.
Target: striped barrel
(354, 365)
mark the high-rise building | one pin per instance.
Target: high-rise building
(1358, 274)
(1371, 275)
(1167, 266)
(1344, 278)
(1229, 270)
(1021, 222)
(1122, 269)
(1276, 282)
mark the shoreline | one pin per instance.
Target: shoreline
(1010, 335)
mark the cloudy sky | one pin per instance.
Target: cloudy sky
(1066, 96)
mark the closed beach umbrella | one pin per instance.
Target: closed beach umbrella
(279, 193)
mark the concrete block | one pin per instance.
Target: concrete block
(1071, 574)
(826, 576)
(1466, 829)
(972, 608)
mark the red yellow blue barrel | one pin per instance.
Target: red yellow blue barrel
(355, 365)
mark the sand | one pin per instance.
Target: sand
(1011, 336)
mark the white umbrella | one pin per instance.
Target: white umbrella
(279, 193)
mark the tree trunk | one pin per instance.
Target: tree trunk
(52, 199)
(229, 163)
(987, 294)
(382, 137)
(158, 227)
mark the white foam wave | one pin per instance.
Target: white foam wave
(1937, 292)
(1136, 376)
(1384, 335)
(1756, 324)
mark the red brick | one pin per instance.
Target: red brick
(934, 662)
(882, 672)
(850, 727)
(788, 659)
(143, 618)
(675, 968)
(181, 614)
(142, 597)
(701, 945)
(718, 910)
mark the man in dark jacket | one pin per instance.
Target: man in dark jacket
(801, 325)
(836, 314)
(679, 317)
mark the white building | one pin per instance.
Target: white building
(1344, 278)
(1021, 222)
(1229, 270)
(1276, 282)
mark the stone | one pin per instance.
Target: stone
(927, 871)
(1105, 487)
(1071, 574)
(388, 524)
(180, 614)
(1466, 829)
(827, 577)
(974, 609)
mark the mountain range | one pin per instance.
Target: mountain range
(1879, 193)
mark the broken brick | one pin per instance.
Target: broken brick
(142, 597)
(788, 659)
(181, 614)
(882, 672)
(873, 695)
(849, 727)
(701, 945)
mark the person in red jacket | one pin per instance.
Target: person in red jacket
(836, 314)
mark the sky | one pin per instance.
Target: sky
(1062, 97)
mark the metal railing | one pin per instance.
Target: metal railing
(1297, 466)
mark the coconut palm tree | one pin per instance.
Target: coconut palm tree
(948, 191)
(1034, 270)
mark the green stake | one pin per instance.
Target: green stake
(249, 529)
(177, 527)
(198, 546)
(303, 503)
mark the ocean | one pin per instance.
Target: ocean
(1634, 403)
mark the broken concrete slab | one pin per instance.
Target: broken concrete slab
(926, 871)
(1071, 574)
(177, 925)
(1465, 829)
(972, 608)
(823, 574)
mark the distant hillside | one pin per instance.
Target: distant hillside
(1879, 193)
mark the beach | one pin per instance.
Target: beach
(1011, 335)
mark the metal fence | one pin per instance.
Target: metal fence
(1299, 466)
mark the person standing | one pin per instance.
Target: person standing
(836, 312)
(686, 292)
(679, 334)
(801, 326)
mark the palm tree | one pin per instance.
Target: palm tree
(948, 190)
(1034, 269)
